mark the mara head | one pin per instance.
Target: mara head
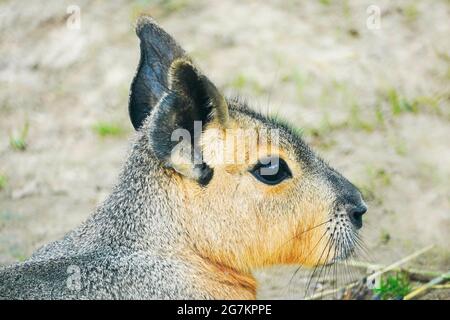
(253, 192)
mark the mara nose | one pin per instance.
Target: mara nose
(355, 214)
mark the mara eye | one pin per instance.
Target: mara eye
(271, 171)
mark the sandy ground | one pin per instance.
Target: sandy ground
(374, 102)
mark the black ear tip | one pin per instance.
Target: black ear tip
(158, 50)
(143, 24)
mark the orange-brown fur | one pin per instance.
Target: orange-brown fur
(232, 245)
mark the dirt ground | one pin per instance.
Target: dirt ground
(374, 102)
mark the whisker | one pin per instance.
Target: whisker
(348, 269)
(342, 275)
(328, 249)
(330, 274)
(298, 269)
(333, 244)
(297, 235)
(272, 87)
(360, 244)
(315, 267)
(346, 272)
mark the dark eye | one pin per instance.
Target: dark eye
(271, 171)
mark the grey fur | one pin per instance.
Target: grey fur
(127, 249)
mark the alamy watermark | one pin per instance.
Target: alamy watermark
(73, 281)
(373, 21)
(226, 147)
(73, 21)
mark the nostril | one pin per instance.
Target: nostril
(356, 214)
(360, 210)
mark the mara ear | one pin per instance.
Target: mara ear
(158, 51)
(179, 117)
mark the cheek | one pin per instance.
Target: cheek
(296, 222)
(228, 196)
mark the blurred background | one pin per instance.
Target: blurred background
(367, 81)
